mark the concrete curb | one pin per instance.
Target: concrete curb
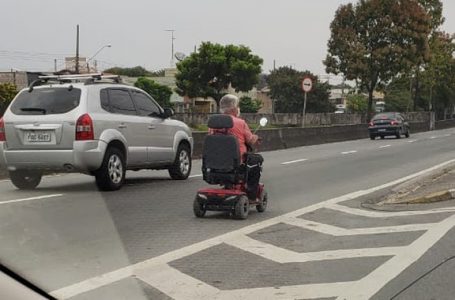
(445, 195)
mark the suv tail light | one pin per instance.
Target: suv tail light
(2, 131)
(84, 128)
(394, 122)
(371, 124)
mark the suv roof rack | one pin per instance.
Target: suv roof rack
(86, 78)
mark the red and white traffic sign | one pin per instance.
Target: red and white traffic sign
(307, 84)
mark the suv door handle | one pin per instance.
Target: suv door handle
(122, 126)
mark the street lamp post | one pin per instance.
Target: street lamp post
(172, 45)
(96, 53)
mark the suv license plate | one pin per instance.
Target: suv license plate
(39, 137)
(381, 130)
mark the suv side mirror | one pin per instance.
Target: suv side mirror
(168, 112)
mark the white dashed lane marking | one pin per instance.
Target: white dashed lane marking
(294, 161)
(194, 176)
(31, 198)
(349, 152)
(385, 146)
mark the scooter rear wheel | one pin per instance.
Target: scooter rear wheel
(242, 208)
(198, 209)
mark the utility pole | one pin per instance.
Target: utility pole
(96, 66)
(77, 49)
(172, 45)
(14, 76)
(55, 65)
(274, 65)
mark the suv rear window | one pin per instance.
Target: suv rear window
(46, 101)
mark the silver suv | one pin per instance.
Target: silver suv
(91, 125)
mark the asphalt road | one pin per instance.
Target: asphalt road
(67, 232)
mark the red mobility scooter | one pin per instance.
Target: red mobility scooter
(223, 166)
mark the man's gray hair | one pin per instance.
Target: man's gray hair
(228, 103)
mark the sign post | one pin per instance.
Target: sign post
(307, 86)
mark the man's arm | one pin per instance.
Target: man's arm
(250, 138)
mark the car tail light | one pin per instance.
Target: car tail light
(84, 128)
(2, 131)
(371, 123)
(394, 122)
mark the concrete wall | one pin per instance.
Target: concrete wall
(280, 119)
(321, 119)
(20, 79)
(283, 138)
(445, 124)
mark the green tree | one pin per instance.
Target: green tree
(137, 71)
(374, 40)
(433, 9)
(248, 105)
(398, 95)
(7, 93)
(214, 68)
(438, 75)
(357, 103)
(161, 93)
(286, 89)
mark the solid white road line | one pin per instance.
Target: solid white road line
(349, 152)
(281, 255)
(307, 291)
(194, 176)
(294, 161)
(377, 214)
(412, 141)
(385, 146)
(370, 285)
(339, 231)
(158, 263)
(31, 198)
(433, 137)
(178, 285)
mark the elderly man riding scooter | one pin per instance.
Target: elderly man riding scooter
(229, 105)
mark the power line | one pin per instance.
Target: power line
(29, 53)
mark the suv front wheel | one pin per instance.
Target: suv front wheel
(25, 180)
(111, 175)
(181, 168)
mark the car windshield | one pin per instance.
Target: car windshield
(46, 101)
(227, 149)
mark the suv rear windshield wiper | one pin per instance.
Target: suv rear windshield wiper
(34, 109)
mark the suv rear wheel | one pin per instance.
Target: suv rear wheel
(25, 180)
(181, 168)
(111, 175)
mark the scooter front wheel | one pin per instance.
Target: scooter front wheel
(261, 207)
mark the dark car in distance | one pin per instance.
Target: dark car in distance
(388, 124)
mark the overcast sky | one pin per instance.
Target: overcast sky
(292, 32)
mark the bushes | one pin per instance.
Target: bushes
(7, 93)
